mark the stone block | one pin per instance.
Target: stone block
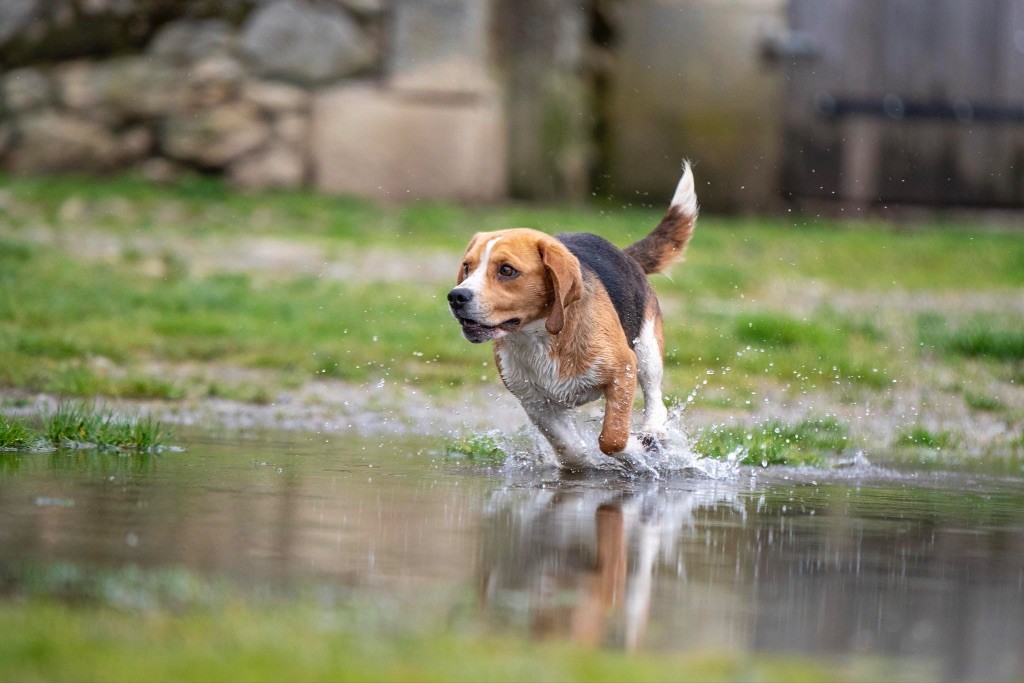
(127, 88)
(214, 80)
(135, 143)
(160, 170)
(6, 136)
(55, 143)
(25, 89)
(189, 40)
(274, 97)
(143, 87)
(292, 128)
(364, 7)
(279, 166)
(440, 46)
(214, 137)
(74, 85)
(15, 17)
(385, 144)
(305, 42)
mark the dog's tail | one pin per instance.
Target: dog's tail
(667, 243)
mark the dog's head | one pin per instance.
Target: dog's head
(510, 278)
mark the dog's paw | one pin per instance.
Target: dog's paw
(652, 441)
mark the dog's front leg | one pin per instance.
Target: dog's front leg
(557, 426)
(618, 414)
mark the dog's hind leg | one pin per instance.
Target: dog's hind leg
(650, 369)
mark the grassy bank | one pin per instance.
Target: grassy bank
(54, 642)
(78, 426)
(728, 252)
(122, 289)
(69, 625)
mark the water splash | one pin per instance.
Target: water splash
(526, 448)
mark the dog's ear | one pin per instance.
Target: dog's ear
(469, 247)
(566, 280)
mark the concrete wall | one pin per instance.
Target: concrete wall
(543, 52)
(688, 80)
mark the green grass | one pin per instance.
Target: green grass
(478, 449)
(1007, 459)
(922, 437)
(999, 338)
(822, 349)
(304, 325)
(75, 327)
(55, 642)
(808, 442)
(983, 402)
(780, 330)
(247, 392)
(15, 434)
(75, 424)
(65, 623)
(74, 378)
(728, 255)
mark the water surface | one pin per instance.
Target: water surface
(927, 566)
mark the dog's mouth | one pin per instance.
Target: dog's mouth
(477, 332)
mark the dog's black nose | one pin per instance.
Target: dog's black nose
(459, 297)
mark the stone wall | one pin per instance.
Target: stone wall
(399, 99)
(386, 98)
(433, 125)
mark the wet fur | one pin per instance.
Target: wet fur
(578, 321)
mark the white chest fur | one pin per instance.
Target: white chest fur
(531, 373)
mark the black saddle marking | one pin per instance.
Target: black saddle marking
(622, 277)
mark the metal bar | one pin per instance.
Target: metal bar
(897, 109)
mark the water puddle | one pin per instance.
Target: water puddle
(859, 560)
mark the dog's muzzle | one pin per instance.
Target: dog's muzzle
(472, 329)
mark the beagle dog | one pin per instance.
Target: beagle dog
(573, 318)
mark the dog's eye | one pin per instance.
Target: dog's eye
(465, 269)
(507, 271)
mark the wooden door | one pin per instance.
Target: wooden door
(905, 101)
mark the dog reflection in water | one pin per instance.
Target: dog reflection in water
(580, 564)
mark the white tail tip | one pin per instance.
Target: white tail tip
(685, 198)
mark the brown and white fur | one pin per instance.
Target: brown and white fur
(573, 319)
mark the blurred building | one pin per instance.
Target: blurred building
(851, 101)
